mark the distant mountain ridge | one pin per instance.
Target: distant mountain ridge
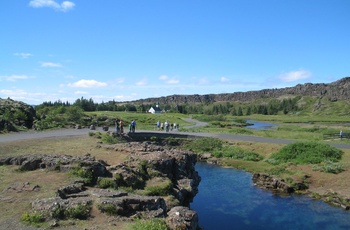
(338, 90)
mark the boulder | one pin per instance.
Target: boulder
(182, 218)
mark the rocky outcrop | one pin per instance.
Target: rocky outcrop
(15, 113)
(61, 163)
(160, 174)
(271, 182)
(338, 90)
(147, 160)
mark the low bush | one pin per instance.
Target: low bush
(110, 209)
(306, 153)
(236, 153)
(106, 183)
(329, 167)
(108, 139)
(33, 218)
(204, 145)
(80, 211)
(83, 173)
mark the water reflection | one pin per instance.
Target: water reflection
(227, 199)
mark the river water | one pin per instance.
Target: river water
(227, 199)
(259, 125)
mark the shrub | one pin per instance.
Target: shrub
(106, 183)
(81, 211)
(329, 167)
(307, 153)
(33, 218)
(84, 173)
(108, 139)
(110, 209)
(152, 224)
(236, 153)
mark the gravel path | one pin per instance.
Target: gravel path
(79, 132)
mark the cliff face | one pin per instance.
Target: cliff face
(338, 90)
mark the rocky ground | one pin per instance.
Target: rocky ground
(155, 181)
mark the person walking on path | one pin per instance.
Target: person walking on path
(116, 126)
(121, 127)
(133, 126)
(166, 126)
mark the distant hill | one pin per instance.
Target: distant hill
(338, 90)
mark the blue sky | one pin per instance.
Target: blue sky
(131, 49)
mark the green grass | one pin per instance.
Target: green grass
(159, 187)
(218, 149)
(204, 145)
(153, 224)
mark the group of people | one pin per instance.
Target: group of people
(167, 126)
(119, 126)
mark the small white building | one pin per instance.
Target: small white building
(155, 110)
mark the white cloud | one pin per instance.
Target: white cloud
(224, 79)
(87, 84)
(169, 80)
(295, 75)
(64, 6)
(67, 5)
(21, 95)
(142, 82)
(80, 92)
(203, 81)
(50, 64)
(23, 55)
(14, 77)
(163, 77)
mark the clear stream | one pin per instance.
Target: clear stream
(227, 199)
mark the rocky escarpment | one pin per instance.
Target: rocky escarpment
(155, 182)
(338, 90)
(15, 113)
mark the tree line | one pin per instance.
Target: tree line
(266, 107)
